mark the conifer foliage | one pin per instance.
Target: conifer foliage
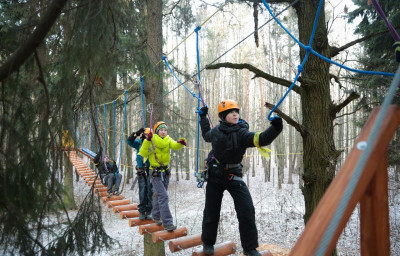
(53, 81)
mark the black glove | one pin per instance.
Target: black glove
(277, 123)
(203, 111)
(132, 137)
(140, 131)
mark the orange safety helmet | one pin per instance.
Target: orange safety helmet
(158, 124)
(146, 131)
(227, 105)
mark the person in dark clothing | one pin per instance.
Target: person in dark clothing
(229, 141)
(145, 187)
(108, 171)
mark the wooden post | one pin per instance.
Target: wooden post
(374, 214)
(151, 249)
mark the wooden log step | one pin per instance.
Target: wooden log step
(183, 243)
(134, 222)
(222, 249)
(98, 182)
(118, 202)
(129, 214)
(112, 198)
(150, 228)
(168, 235)
(121, 208)
(100, 186)
(101, 189)
(103, 194)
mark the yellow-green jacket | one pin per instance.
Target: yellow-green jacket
(162, 145)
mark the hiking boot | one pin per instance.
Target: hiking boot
(170, 228)
(116, 193)
(109, 194)
(253, 252)
(142, 216)
(208, 249)
(149, 216)
(157, 221)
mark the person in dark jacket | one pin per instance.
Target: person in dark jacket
(145, 187)
(229, 141)
(108, 171)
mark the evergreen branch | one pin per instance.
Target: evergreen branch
(25, 50)
(336, 50)
(257, 72)
(337, 108)
(300, 128)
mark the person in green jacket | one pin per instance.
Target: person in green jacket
(157, 149)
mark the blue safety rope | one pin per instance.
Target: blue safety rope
(114, 125)
(105, 127)
(359, 167)
(309, 50)
(144, 112)
(122, 134)
(164, 58)
(199, 182)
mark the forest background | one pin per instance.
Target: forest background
(60, 59)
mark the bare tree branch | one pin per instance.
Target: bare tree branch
(257, 72)
(336, 50)
(26, 49)
(300, 128)
(336, 108)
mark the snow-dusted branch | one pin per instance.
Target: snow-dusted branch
(257, 73)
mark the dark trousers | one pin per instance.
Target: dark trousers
(244, 210)
(160, 204)
(145, 193)
(112, 179)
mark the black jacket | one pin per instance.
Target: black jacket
(104, 168)
(230, 141)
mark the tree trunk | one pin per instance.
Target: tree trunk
(320, 155)
(154, 85)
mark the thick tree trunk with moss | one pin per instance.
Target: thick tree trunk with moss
(320, 155)
(153, 88)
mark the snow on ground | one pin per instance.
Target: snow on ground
(279, 216)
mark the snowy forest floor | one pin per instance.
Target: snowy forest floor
(279, 218)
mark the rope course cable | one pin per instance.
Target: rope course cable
(309, 49)
(323, 246)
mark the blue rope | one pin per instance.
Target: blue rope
(359, 167)
(172, 72)
(309, 49)
(141, 92)
(122, 134)
(199, 182)
(105, 127)
(352, 69)
(114, 125)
